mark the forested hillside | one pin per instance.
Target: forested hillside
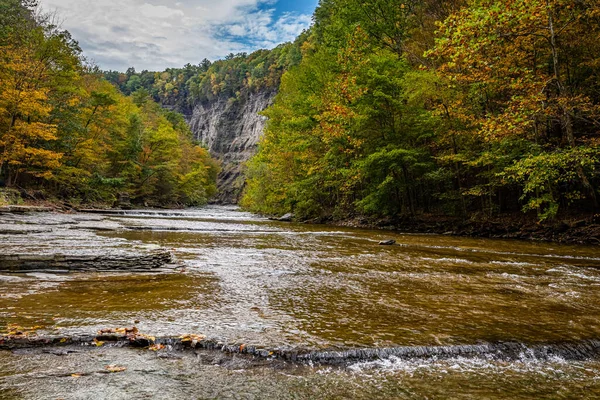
(455, 108)
(221, 102)
(66, 130)
(232, 79)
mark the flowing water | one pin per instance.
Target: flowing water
(275, 285)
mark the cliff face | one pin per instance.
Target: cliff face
(231, 131)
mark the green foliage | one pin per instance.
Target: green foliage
(391, 175)
(500, 113)
(65, 128)
(344, 134)
(548, 177)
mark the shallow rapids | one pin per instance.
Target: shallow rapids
(332, 292)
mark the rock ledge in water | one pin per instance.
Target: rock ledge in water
(19, 263)
(24, 209)
(287, 218)
(505, 351)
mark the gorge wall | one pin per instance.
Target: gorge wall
(221, 102)
(231, 130)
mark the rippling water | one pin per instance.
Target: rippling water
(278, 285)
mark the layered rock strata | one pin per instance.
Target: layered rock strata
(231, 130)
(83, 263)
(52, 242)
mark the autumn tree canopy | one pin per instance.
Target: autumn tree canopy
(64, 128)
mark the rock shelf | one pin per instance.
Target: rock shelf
(54, 242)
(503, 351)
(92, 263)
(24, 209)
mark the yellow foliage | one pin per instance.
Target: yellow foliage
(24, 111)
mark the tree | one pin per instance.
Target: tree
(30, 67)
(523, 68)
(65, 129)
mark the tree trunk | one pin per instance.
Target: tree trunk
(567, 117)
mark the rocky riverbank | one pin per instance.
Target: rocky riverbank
(575, 230)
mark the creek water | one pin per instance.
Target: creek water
(277, 285)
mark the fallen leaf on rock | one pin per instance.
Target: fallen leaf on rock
(147, 337)
(193, 339)
(119, 331)
(98, 343)
(19, 332)
(131, 334)
(189, 338)
(114, 368)
(156, 347)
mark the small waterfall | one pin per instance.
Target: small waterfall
(501, 351)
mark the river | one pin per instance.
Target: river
(245, 279)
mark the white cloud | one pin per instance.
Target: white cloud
(263, 30)
(156, 34)
(290, 25)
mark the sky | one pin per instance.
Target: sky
(157, 34)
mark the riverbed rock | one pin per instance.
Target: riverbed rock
(22, 230)
(124, 201)
(17, 209)
(55, 242)
(505, 351)
(287, 218)
(21, 263)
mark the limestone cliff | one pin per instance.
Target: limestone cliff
(231, 129)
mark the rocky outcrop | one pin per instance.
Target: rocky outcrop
(231, 129)
(287, 218)
(16, 209)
